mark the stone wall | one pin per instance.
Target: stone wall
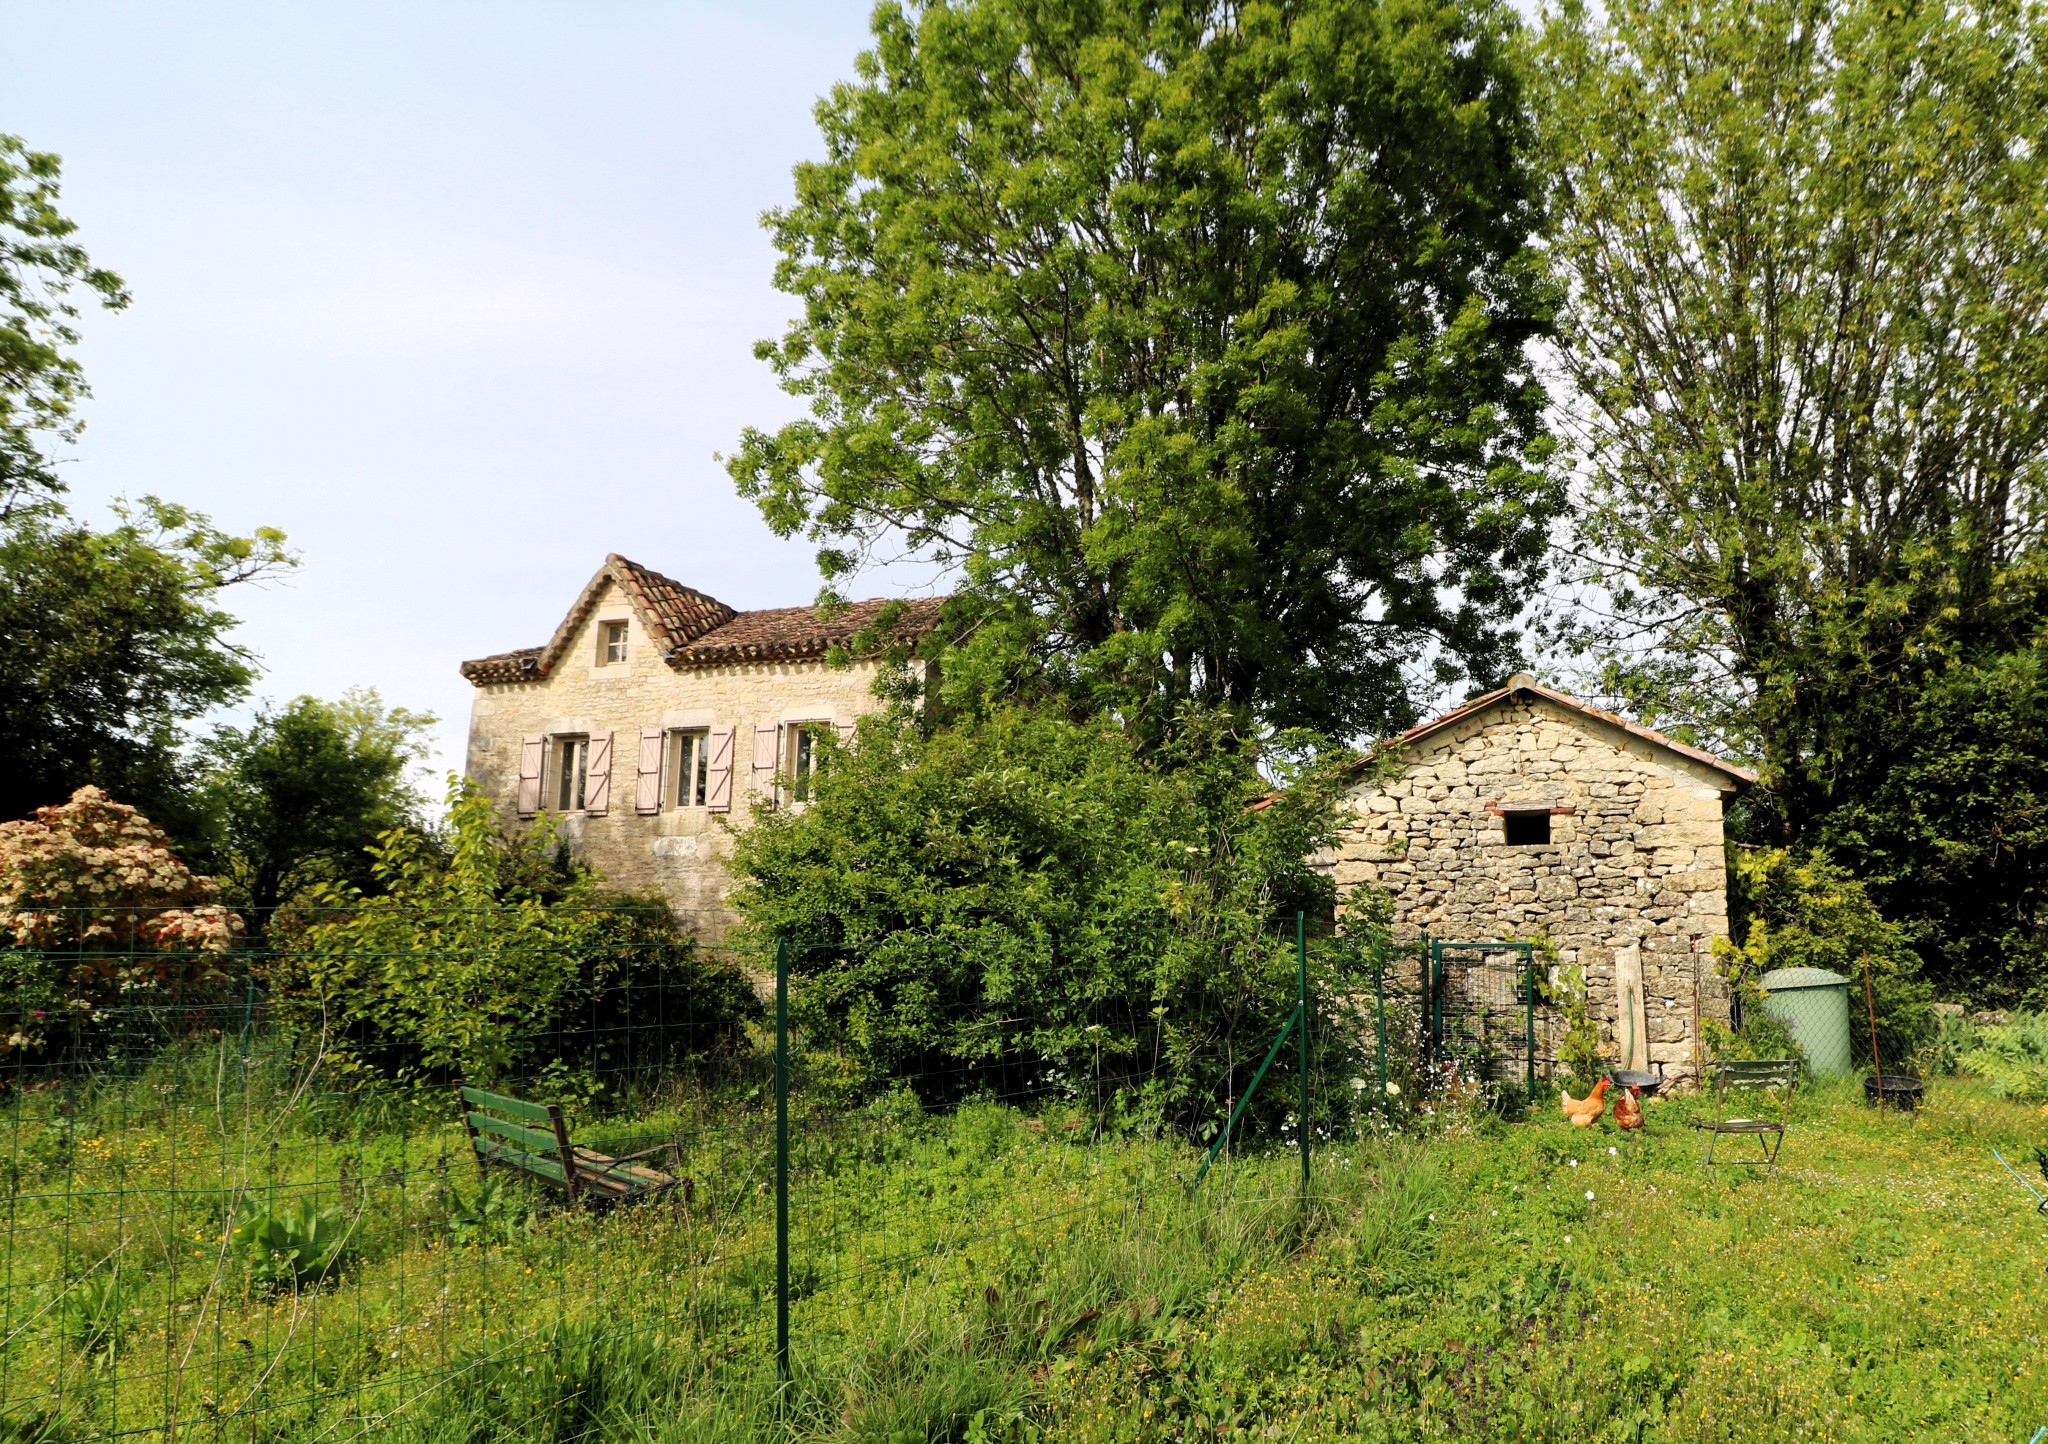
(1632, 885)
(679, 852)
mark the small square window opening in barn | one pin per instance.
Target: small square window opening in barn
(1525, 829)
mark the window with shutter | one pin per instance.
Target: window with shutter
(647, 783)
(718, 769)
(572, 772)
(532, 752)
(801, 765)
(689, 769)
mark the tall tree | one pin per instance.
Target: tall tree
(110, 640)
(303, 794)
(1805, 320)
(40, 265)
(1189, 335)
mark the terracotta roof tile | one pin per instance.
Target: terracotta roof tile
(696, 630)
(782, 632)
(676, 613)
(520, 666)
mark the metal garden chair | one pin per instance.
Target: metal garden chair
(1773, 1078)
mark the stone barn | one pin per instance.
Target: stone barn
(1526, 813)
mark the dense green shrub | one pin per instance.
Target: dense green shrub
(495, 958)
(1025, 901)
(2011, 1056)
(1807, 911)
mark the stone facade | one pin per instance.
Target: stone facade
(637, 665)
(1526, 814)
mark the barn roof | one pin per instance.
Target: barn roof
(693, 629)
(1522, 683)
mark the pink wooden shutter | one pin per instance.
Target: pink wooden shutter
(531, 751)
(647, 789)
(718, 776)
(766, 735)
(597, 790)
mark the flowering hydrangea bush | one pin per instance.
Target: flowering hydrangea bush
(100, 911)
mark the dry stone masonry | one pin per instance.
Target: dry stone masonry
(1527, 814)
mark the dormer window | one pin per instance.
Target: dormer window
(614, 642)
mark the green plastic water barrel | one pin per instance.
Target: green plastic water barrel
(1814, 1004)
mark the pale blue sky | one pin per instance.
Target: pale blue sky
(459, 294)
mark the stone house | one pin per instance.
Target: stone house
(1528, 813)
(656, 716)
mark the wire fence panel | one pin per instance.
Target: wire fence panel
(245, 1202)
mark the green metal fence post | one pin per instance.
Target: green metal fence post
(1379, 992)
(1529, 1002)
(1432, 1010)
(782, 1160)
(1301, 1005)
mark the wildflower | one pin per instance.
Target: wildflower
(1567, 1238)
(1611, 1150)
(1589, 1195)
(1575, 1163)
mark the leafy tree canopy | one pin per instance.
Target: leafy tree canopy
(40, 266)
(1024, 898)
(110, 641)
(304, 792)
(1804, 306)
(1189, 336)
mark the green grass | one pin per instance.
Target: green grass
(992, 1275)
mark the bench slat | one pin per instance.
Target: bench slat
(538, 1151)
(514, 1158)
(1747, 1074)
(499, 1103)
(529, 1138)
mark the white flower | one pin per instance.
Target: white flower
(1393, 1090)
(1567, 1238)
(1610, 1150)
(1589, 1195)
(1575, 1163)
(1359, 1084)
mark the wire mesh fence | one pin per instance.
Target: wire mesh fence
(243, 1201)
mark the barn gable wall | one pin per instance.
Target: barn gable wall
(1631, 885)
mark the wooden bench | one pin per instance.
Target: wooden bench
(499, 1131)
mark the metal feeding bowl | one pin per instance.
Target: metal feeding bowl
(1897, 1091)
(1627, 1078)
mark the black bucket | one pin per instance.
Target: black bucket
(1899, 1092)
